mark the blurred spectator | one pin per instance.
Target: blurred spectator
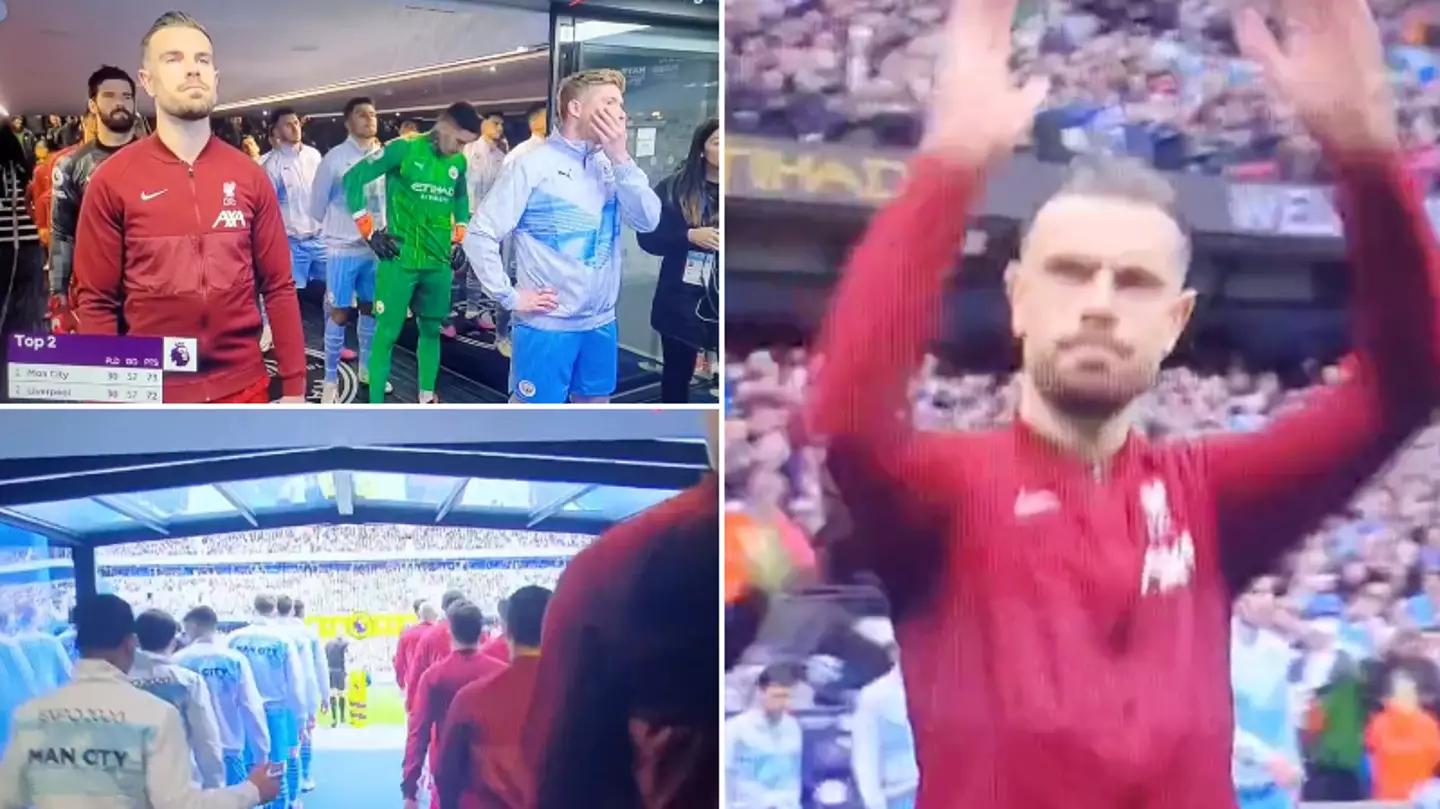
(1404, 740)
(1158, 79)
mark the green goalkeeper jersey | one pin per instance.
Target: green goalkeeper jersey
(424, 198)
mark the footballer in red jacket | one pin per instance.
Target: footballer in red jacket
(410, 637)
(432, 646)
(180, 235)
(1062, 587)
(435, 690)
(480, 762)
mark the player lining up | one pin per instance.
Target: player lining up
(180, 236)
(561, 206)
(350, 265)
(1062, 587)
(291, 165)
(426, 206)
(156, 672)
(235, 698)
(112, 106)
(280, 677)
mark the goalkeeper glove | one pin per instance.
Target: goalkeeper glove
(387, 247)
(459, 262)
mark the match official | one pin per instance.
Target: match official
(100, 741)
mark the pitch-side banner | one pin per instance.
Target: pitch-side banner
(1293, 210)
(837, 175)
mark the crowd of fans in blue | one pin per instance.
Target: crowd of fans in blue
(1158, 79)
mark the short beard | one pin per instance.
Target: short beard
(196, 111)
(1098, 403)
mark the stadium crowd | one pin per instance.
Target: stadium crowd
(348, 539)
(1359, 600)
(327, 589)
(1158, 79)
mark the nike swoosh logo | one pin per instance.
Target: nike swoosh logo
(144, 197)
(1034, 503)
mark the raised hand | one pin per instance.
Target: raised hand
(611, 134)
(977, 113)
(1330, 68)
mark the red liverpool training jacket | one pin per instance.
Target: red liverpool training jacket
(1065, 625)
(165, 249)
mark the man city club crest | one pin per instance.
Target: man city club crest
(454, 173)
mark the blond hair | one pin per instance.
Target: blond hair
(576, 83)
(171, 19)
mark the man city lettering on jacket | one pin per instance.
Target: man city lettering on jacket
(272, 651)
(93, 758)
(222, 673)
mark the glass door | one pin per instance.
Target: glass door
(672, 75)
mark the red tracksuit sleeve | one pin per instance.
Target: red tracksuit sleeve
(419, 724)
(884, 316)
(97, 275)
(577, 741)
(1273, 486)
(277, 286)
(403, 649)
(452, 754)
(420, 662)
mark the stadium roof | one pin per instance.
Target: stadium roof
(501, 470)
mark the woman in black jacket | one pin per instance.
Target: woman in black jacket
(686, 309)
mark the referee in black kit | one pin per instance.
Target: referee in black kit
(335, 651)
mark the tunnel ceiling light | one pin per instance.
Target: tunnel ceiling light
(417, 74)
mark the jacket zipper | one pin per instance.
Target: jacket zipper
(200, 253)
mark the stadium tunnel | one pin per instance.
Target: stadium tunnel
(152, 475)
(413, 58)
(71, 483)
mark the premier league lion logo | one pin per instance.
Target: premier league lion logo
(180, 356)
(361, 625)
